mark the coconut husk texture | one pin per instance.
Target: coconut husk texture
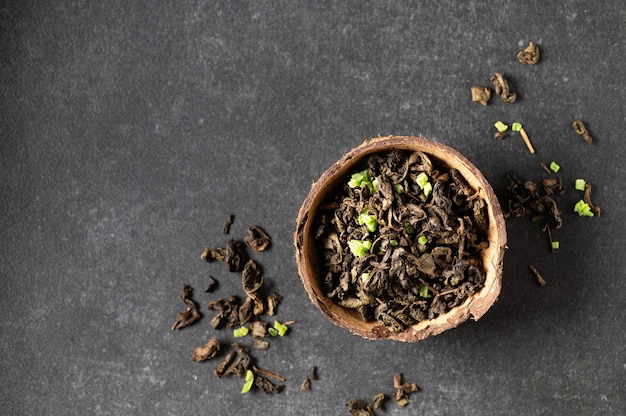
(473, 307)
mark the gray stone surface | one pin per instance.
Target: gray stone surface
(130, 130)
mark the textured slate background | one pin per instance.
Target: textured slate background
(131, 129)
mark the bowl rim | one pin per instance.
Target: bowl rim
(474, 306)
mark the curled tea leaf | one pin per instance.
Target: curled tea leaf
(580, 128)
(213, 284)
(481, 95)
(403, 389)
(229, 221)
(191, 314)
(206, 351)
(257, 239)
(530, 54)
(235, 256)
(501, 86)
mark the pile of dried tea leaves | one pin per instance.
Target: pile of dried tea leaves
(400, 242)
(245, 316)
(401, 396)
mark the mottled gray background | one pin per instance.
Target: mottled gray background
(131, 129)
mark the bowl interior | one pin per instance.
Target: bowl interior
(332, 180)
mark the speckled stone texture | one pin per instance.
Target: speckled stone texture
(130, 130)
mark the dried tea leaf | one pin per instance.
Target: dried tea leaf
(251, 277)
(267, 386)
(501, 86)
(314, 375)
(235, 256)
(539, 278)
(587, 199)
(260, 344)
(213, 284)
(206, 351)
(229, 221)
(378, 401)
(257, 239)
(481, 95)
(258, 329)
(191, 314)
(306, 384)
(213, 254)
(228, 311)
(403, 389)
(357, 408)
(530, 54)
(223, 368)
(553, 186)
(581, 129)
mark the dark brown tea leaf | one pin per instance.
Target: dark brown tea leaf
(206, 351)
(257, 239)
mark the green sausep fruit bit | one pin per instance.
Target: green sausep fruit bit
(583, 209)
(358, 178)
(249, 377)
(240, 332)
(422, 239)
(369, 221)
(423, 290)
(272, 331)
(500, 126)
(516, 126)
(554, 167)
(555, 245)
(363, 178)
(424, 184)
(579, 184)
(359, 247)
(280, 328)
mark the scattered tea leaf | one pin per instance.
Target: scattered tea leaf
(191, 314)
(530, 54)
(206, 351)
(501, 86)
(235, 256)
(227, 224)
(306, 384)
(314, 375)
(211, 254)
(403, 389)
(378, 401)
(539, 278)
(357, 408)
(257, 239)
(213, 284)
(587, 198)
(267, 386)
(580, 128)
(481, 95)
